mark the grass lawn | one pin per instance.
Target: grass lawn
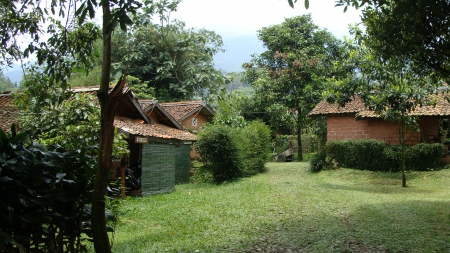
(289, 209)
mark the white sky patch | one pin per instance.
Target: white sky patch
(234, 18)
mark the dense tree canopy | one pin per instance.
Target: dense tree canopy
(175, 61)
(288, 76)
(416, 31)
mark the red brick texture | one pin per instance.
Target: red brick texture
(346, 127)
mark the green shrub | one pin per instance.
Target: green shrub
(254, 146)
(203, 175)
(342, 152)
(392, 158)
(318, 161)
(368, 154)
(218, 147)
(376, 155)
(425, 156)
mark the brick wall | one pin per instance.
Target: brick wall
(346, 127)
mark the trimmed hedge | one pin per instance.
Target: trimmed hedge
(376, 155)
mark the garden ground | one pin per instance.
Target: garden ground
(289, 209)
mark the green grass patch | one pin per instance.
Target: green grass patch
(290, 208)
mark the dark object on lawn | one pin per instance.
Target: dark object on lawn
(286, 156)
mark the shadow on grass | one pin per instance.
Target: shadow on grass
(409, 226)
(378, 188)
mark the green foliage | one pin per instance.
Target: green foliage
(254, 145)
(229, 109)
(44, 196)
(423, 26)
(376, 155)
(174, 60)
(219, 149)
(288, 77)
(203, 175)
(425, 156)
(318, 161)
(5, 83)
(140, 89)
(79, 79)
(229, 153)
(72, 124)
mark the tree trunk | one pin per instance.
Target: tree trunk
(299, 136)
(100, 234)
(402, 144)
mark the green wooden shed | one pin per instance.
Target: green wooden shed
(162, 151)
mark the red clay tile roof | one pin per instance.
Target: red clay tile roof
(7, 111)
(153, 107)
(152, 130)
(442, 108)
(324, 108)
(178, 110)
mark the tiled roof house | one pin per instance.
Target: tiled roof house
(355, 121)
(158, 142)
(191, 115)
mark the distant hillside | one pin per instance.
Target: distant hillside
(238, 51)
(14, 74)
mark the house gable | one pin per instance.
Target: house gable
(157, 114)
(190, 114)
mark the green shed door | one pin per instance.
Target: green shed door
(158, 168)
(182, 164)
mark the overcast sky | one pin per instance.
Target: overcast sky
(235, 18)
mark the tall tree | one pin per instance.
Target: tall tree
(176, 61)
(70, 46)
(298, 56)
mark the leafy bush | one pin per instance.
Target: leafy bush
(318, 161)
(376, 155)
(425, 156)
(230, 153)
(203, 175)
(392, 158)
(254, 145)
(343, 152)
(44, 196)
(218, 147)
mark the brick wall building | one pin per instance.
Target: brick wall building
(348, 127)
(354, 121)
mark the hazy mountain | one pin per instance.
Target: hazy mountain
(14, 73)
(238, 51)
